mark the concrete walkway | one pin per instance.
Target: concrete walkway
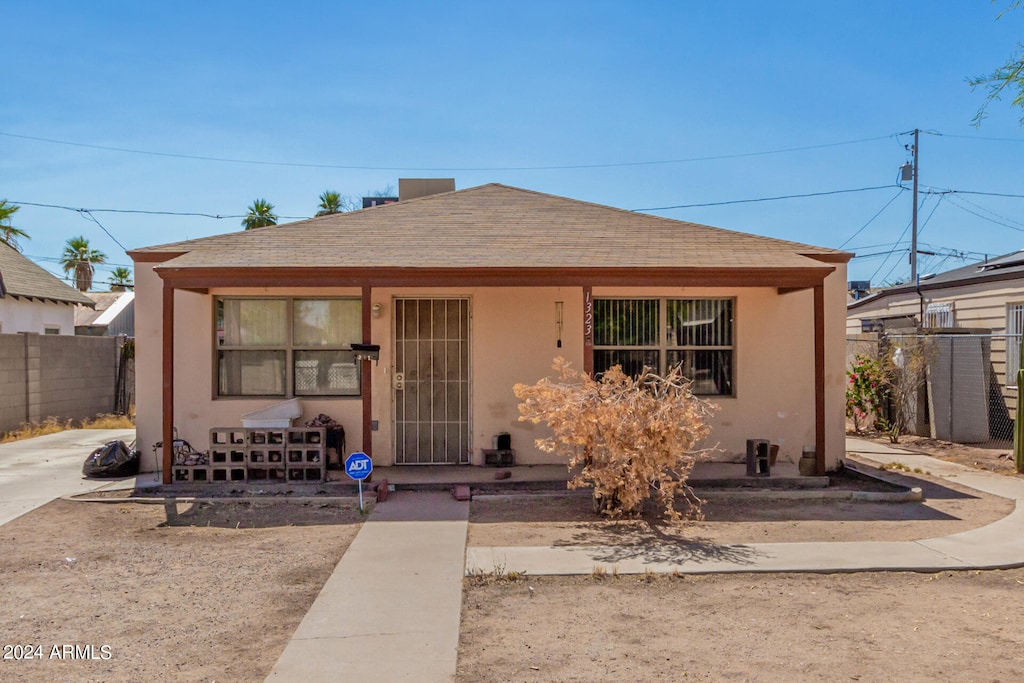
(35, 471)
(997, 545)
(391, 609)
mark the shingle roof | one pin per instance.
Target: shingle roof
(999, 269)
(19, 277)
(491, 226)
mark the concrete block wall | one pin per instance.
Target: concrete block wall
(13, 392)
(67, 377)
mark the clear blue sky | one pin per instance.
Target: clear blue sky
(479, 90)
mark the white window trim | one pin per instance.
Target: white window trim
(1014, 329)
(940, 314)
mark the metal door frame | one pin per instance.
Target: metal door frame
(464, 458)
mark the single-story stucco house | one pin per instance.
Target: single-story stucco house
(33, 300)
(469, 292)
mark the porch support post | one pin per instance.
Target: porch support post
(588, 330)
(819, 379)
(367, 381)
(168, 381)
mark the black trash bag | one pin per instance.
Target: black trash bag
(112, 459)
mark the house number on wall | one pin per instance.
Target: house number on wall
(588, 319)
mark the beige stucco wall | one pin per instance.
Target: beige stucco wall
(196, 410)
(513, 339)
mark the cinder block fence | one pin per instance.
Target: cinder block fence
(67, 377)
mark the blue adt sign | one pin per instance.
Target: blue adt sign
(358, 466)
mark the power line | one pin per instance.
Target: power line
(899, 240)
(972, 137)
(937, 204)
(958, 205)
(986, 194)
(872, 219)
(146, 212)
(139, 211)
(89, 216)
(256, 162)
(767, 199)
(989, 211)
(53, 259)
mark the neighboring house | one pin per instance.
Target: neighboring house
(33, 300)
(982, 304)
(986, 296)
(112, 316)
(470, 292)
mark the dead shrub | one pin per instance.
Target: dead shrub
(631, 439)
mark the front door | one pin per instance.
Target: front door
(431, 381)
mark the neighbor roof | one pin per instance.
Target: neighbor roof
(490, 226)
(20, 278)
(108, 306)
(1006, 267)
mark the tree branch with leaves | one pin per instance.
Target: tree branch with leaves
(1007, 78)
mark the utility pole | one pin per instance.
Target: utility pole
(913, 237)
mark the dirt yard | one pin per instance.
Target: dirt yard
(146, 593)
(962, 626)
(213, 591)
(874, 626)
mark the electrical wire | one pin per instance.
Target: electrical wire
(899, 240)
(255, 162)
(872, 219)
(974, 137)
(88, 215)
(990, 212)
(957, 204)
(147, 212)
(766, 199)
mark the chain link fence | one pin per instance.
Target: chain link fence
(961, 388)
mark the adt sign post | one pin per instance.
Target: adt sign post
(358, 466)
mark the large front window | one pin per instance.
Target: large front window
(287, 347)
(696, 334)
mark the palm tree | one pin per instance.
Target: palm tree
(121, 279)
(330, 202)
(81, 260)
(261, 214)
(9, 234)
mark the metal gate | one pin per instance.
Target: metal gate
(431, 381)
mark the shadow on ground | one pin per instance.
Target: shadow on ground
(653, 544)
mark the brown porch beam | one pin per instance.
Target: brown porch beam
(367, 381)
(819, 379)
(168, 381)
(296, 276)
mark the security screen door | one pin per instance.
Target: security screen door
(431, 381)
